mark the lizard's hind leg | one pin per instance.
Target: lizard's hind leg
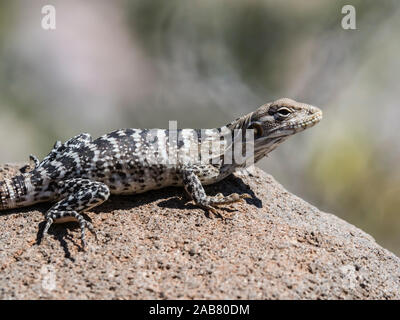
(78, 195)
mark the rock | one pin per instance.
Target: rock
(159, 246)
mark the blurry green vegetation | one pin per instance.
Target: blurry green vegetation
(353, 177)
(258, 35)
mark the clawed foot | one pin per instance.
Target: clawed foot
(220, 199)
(82, 223)
(88, 225)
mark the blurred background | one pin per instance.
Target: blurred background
(113, 64)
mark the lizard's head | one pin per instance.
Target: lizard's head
(283, 117)
(274, 122)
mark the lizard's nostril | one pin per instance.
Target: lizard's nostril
(316, 111)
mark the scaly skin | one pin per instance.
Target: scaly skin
(81, 173)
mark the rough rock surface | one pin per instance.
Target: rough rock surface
(159, 246)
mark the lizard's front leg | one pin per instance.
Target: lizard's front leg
(196, 191)
(78, 195)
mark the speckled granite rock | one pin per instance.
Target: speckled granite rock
(276, 246)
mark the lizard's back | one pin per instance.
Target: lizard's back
(133, 161)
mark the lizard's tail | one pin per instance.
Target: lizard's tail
(16, 192)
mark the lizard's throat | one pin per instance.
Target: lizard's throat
(266, 146)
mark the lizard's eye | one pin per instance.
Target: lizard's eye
(283, 112)
(258, 130)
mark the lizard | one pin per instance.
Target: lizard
(82, 172)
